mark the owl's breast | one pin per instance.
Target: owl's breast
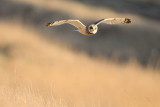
(85, 32)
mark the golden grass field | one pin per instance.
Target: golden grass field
(38, 73)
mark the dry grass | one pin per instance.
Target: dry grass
(35, 73)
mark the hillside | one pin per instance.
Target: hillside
(58, 67)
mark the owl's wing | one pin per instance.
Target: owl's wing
(114, 21)
(75, 23)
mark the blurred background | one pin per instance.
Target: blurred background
(58, 67)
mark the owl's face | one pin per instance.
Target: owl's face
(92, 28)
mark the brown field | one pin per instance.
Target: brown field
(38, 73)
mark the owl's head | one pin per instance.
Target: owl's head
(92, 28)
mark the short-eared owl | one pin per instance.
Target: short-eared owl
(92, 28)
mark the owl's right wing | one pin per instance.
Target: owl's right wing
(75, 23)
(114, 21)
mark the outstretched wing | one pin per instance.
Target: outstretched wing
(75, 23)
(114, 21)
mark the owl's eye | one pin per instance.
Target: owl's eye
(91, 27)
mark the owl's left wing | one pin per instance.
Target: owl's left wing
(75, 23)
(114, 21)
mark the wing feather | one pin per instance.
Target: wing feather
(114, 21)
(75, 23)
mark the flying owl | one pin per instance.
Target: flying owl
(92, 28)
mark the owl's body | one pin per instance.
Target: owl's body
(89, 30)
(92, 28)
